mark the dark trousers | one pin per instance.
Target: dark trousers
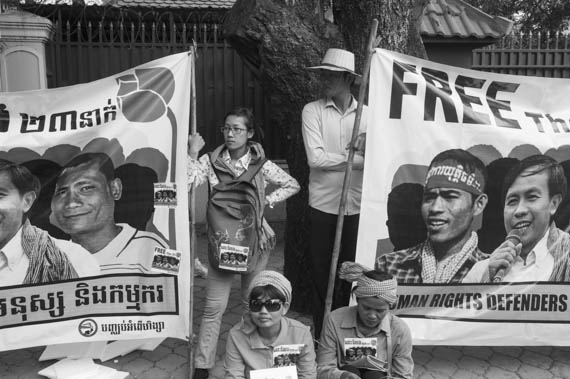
(322, 233)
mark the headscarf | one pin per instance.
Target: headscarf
(451, 174)
(269, 277)
(366, 286)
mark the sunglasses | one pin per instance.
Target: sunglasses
(272, 305)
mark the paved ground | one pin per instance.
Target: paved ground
(169, 361)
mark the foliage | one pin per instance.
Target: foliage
(530, 15)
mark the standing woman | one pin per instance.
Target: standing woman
(237, 153)
(256, 342)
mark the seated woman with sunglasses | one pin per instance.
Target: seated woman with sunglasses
(265, 335)
(383, 340)
(238, 152)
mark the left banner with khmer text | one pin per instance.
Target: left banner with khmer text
(93, 209)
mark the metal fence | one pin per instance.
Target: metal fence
(83, 52)
(530, 54)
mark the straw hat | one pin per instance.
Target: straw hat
(337, 60)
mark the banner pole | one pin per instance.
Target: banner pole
(192, 199)
(348, 172)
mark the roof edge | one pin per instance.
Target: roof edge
(505, 25)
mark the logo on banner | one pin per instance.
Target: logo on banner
(144, 95)
(87, 327)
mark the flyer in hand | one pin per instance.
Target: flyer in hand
(370, 362)
(286, 355)
(362, 353)
(286, 372)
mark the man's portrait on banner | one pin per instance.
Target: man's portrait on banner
(83, 206)
(28, 254)
(525, 196)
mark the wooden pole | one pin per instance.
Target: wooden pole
(192, 200)
(348, 172)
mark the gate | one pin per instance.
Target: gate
(529, 54)
(83, 52)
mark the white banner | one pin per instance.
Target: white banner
(419, 109)
(111, 159)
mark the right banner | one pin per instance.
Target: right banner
(464, 201)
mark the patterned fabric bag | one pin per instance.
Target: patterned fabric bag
(235, 217)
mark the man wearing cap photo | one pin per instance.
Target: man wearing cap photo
(327, 132)
(453, 197)
(532, 192)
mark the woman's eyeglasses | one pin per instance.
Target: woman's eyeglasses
(235, 131)
(272, 305)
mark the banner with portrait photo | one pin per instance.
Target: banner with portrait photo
(98, 255)
(418, 109)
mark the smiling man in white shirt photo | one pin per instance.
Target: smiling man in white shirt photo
(83, 206)
(29, 255)
(532, 192)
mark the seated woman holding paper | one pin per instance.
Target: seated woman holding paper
(382, 341)
(266, 339)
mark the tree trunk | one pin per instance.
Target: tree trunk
(398, 25)
(278, 41)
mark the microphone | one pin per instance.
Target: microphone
(515, 238)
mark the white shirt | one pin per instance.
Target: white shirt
(14, 262)
(131, 251)
(538, 266)
(82, 260)
(326, 133)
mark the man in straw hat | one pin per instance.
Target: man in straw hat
(368, 326)
(327, 131)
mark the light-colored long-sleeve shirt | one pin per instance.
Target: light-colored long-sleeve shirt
(342, 324)
(326, 133)
(198, 171)
(245, 350)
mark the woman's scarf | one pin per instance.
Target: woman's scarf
(47, 262)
